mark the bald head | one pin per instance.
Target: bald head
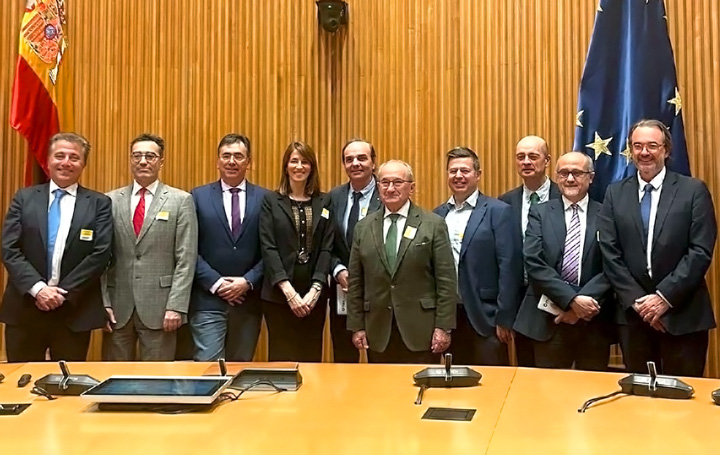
(531, 161)
(574, 174)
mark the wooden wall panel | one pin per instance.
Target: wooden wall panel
(415, 77)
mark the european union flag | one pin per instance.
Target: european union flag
(629, 75)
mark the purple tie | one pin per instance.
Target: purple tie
(571, 256)
(235, 211)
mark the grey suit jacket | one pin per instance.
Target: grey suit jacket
(154, 271)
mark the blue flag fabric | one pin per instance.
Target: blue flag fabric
(629, 75)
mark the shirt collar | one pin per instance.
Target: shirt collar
(471, 200)
(582, 203)
(152, 188)
(656, 181)
(542, 192)
(71, 190)
(404, 210)
(226, 187)
(367, 191)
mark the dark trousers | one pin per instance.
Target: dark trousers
(291, 338)
(585, 345)
(524, 349)
(674, 355)
(470, 348)
(29, 343)
(397, 352)
(343, 349)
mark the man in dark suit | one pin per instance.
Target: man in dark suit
(351, 202)
(657, 234)
(225, 308)
(488, 260)
(56, 244)
(402, 293)
(567, 311)
(531, 161)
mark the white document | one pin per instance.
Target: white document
(547, 305)
(341, 301)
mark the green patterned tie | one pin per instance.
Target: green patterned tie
(534, 198)
(391, 241)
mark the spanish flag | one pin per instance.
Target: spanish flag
(42, 97)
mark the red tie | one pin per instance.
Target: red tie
(139, 215)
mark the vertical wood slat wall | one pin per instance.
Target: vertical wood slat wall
(415, 77)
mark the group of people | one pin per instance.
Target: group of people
(544, 267)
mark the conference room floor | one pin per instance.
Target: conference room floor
(361, 408)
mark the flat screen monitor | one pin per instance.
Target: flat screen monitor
(159, 389)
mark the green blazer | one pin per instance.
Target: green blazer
(421, 293)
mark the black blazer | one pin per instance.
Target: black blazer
(278, 242)
(683, 242)
(543, 250)
(24, 254)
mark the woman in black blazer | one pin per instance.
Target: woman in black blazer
(296, 239)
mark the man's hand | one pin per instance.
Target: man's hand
(359, 339)
(232, 288)
(585, 307)
(504, 335)
(567, 317)
(440, 341)
(651, 307)
(172, 321)
(342, 279)
(50, 298)
(111, 320)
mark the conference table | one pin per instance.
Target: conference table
(367, 409)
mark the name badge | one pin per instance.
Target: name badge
(163, 216)
(363, 212)
(410, 232)
(325, 214)
(86, 235)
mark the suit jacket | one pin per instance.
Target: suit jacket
(490, 267)
(24, 246)
(153, 272)
(683, 242)
(514, 198)
(421, 293)
(219, 253)
(544, 249)
(339, 198)
(279, 244)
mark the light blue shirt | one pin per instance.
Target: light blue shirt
(457, 219)
(364, 202)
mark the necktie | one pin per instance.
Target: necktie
(235, 211)
(571, 256)
(53, 226)
(645, 203)
(391, 241)
(139, 215)
(354, 215)
(534, 198)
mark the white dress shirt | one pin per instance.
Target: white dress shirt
(657, 183)
(400, 223)
(543, 193)
(135, 198)
(457, 219)
(582, 214)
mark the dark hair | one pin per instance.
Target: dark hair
(463, 152)
(373, 156)
(233, 138)
(652, 123)
(152, 138)
(312, 185)
(72, 138)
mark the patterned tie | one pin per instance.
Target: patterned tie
(645, 203)
(139, 215)
(353, 218)
(391, 241)
(534, 198)
(235, 212)
(571, 257)
(53, 226)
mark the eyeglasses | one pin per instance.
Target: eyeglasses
(385, 184)
(150, 157)
(575, 173)
(238, 157)
(651, 146)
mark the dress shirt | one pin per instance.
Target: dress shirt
(582, 214)
(457, 219)
(543, 193)
(400, 223)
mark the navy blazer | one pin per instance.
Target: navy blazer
(490, 268)
(514, 198)
(219, 254)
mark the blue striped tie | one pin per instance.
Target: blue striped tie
(53, 226)
(571, 256)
